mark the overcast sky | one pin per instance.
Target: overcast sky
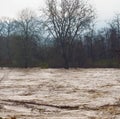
(105, 8)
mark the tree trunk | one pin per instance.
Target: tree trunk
(66, 64)
(66, 61)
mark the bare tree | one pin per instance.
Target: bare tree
(27, 27)
(66, 20)
(8, 30)
(114, 40)
(1, 39)
(1, 27)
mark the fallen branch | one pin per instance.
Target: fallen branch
(85, 107)
(41, 104)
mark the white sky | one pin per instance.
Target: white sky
(10, 8)
(105, 8)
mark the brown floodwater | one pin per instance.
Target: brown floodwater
(36, 93)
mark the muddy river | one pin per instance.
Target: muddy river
(59, 94)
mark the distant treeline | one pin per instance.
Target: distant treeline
(63, 38)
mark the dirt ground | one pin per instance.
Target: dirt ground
(60, 94)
